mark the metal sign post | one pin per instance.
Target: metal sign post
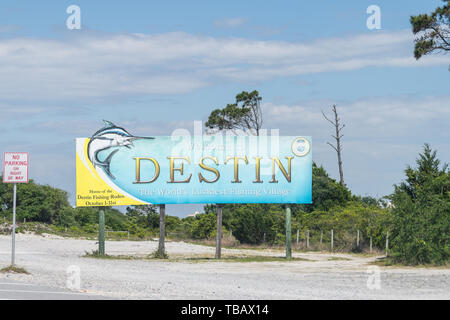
(15, 170)
(13, 231)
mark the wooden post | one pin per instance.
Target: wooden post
(288, 232)
(321, 237)
(298, 231)
(162, 231)
(307, 238)
(219, 232)
(332, 240)
(101, 232)
(387, 243)
(357, 239)
(370, 244)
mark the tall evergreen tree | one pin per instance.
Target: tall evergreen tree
(421, 212)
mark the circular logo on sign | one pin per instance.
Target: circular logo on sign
(300, 147)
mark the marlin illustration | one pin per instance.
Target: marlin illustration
(108, 137)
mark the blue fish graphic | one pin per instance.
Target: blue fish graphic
(110, 136)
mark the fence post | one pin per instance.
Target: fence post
(321, 237)
(387, 242)
(332, 240)
(357, 239)
(307, 239)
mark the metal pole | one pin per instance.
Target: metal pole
(162, 230)
(219, 232)
(297, 236)
(321, 237)
(101, 232)
(13, 251)
(288, 232)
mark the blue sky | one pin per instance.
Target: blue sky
(155, 66)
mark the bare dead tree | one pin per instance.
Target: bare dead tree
(338, 147)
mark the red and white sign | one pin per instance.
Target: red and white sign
(15, 167)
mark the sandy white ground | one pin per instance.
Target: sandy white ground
(47, 259)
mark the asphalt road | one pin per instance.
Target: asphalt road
(13, 290)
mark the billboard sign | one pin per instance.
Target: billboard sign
(114, 168)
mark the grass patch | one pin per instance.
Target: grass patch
(158, 255)
(237, 246)
(198, 259)
(97, 255)
(389, 262)
(244, 259)
(14, 269)
(338, 259)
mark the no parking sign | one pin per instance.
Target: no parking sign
(15, 167)
(15, 170)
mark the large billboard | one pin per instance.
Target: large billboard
(114, 167)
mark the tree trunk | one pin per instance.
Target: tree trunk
(338, 148)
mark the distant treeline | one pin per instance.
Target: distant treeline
(416, 216)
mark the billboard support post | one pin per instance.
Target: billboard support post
(288, 232)
(13, 231)
(101, 232)
(219, 232)
(162, 230)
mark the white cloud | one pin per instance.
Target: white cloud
(382, 135)
(230, 22)
(88, 66)
(368, 118)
